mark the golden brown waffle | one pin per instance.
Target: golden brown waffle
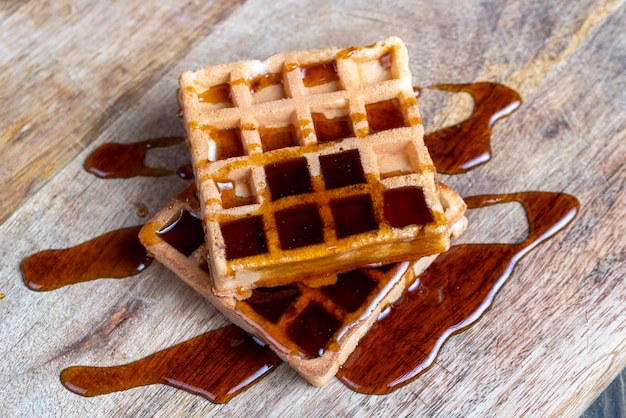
(310, 162)
(314, 328)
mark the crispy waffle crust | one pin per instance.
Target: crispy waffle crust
(310, 163)
(313, 324)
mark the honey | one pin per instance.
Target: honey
(116, 254)
(312, 329)
(116, 160)
(331, 129)
(226, 143)
(275, 138)
(272, 302)
(244, 237)
(263, 81)
(214, 352)
(466, 145)
(353, 215)
(288, 178)
(351, 289)
(406, 206)
(342, 169)
(184, 232)
(299, 226)
(384, 115)
(314, 75)
(216, 94)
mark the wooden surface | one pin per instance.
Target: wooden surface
(77, 75)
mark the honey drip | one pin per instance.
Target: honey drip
(185, 172)
(216, 365)
(452, 294)
(464, 146)
(116, 254)
(119, 161)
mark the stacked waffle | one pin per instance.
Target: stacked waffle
(313, 187)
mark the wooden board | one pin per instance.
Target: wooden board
(75, 76)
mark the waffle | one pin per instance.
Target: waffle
(311, 326)
(310, 162)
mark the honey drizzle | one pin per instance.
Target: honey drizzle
(278, 137)
(116, 254)
(120, 161)
(216, 94)
(466, 145)
(262, 81)
(318, 74)
(216, 365)
(452, 294)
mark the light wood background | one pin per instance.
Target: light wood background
(74, 75)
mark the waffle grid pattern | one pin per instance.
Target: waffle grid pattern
(311, 319)
(260, 133)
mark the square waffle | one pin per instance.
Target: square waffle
(310, 162)
(311, 326)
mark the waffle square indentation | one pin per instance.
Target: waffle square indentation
(313, 329)
(353, 215)
(225, 143)
(267, 87)
(184, 232)
(351, 289)
(288, 178)
(277, 137)
(299, 226)
(406, 206)
(376, 70)
(219, 94)
(397, 159)
(331, 129)
(236, 190)
(321, 77)
(342, 169)
(244, 237)
(272, 302)
(384, 115)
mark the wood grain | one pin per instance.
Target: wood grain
(77, 75)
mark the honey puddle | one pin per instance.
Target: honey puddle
(119, 161)
(213, 353)
(451, 295)
(116, 254)
(466, 145)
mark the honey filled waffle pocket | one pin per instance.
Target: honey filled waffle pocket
(310, 163)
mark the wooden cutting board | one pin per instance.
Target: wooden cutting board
(75, 76)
